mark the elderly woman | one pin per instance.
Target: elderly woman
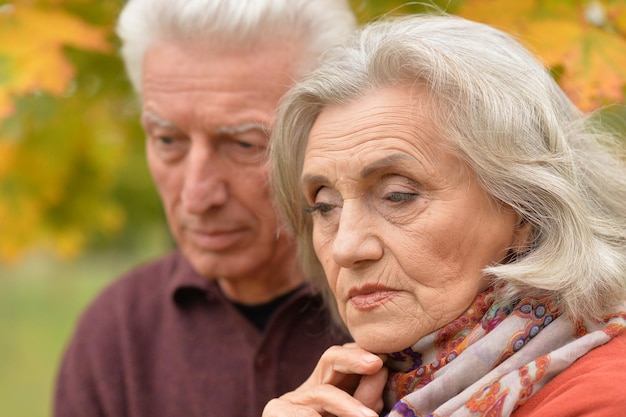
(470, 223)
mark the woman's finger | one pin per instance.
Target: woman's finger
(322, 400)
(282, 408)
(370, 390)
(339, 361)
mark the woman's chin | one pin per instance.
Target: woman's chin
(379, 331)
(379, 342)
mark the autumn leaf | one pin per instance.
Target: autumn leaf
(73, 175)
(585, 41)
(31, 52)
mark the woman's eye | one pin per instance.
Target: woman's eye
(320, 207)
(399, 197)
(325, 200)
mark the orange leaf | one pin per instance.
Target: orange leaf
(583, 39)
(616, 13)
(31, 52)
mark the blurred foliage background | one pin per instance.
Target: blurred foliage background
(77, 206)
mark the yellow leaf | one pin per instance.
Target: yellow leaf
(69, 244)
(503, 15)
(583, 38)
(17, 230)
(6, 104)
(31, 51)
(8, 151)
(112, 219)
(616, 13)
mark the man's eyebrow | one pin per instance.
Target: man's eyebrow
(223, 130)
(244, 127)
(158, 120)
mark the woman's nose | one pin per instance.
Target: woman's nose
(356, 241)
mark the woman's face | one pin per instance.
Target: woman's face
(401, 226)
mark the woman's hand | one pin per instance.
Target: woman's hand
(347, 382)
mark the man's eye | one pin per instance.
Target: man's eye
(398, 197)
(242, 152)
(245, 145)
(166, 140)
(255, 147)
(169, 147)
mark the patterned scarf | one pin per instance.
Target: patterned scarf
(491, 359)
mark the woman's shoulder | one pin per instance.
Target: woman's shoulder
(591, 386)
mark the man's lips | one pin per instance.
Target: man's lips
(215, 239)
(370, 297)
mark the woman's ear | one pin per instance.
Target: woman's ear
(522, 236)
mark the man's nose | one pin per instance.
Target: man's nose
(205, 183)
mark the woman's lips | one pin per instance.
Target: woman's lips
(366, 299)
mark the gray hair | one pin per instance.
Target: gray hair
(502, 114)
(318, 24)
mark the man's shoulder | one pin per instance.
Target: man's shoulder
(157, 268)
(141, 285)
(153, 273)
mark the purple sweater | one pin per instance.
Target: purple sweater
(164, 342)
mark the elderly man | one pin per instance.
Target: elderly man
(226, 321)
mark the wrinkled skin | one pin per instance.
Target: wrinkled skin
(403, 231)
(207, 113)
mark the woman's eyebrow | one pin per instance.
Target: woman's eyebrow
(313, 179)
(387, 162)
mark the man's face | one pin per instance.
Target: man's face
(207, 115)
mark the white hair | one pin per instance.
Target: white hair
(318, 24)
(502, 114)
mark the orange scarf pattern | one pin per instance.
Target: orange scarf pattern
(491, 359)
